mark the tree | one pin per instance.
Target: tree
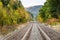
(5, 2)
(12, 13)
(51, 9)
(15, 6)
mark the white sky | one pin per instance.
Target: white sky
(28, 3)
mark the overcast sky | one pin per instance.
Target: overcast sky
(28, 3)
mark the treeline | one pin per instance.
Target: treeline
(12, 13)
(51, 9)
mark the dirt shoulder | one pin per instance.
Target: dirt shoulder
(56, 27)
(19, 26)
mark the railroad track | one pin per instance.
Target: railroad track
(18, 34)
(34, 31)
(50, 32)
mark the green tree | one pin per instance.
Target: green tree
(5, 2)
(51, 9)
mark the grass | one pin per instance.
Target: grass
(56, 27)
(7, 29)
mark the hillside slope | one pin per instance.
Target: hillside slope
(34, 9)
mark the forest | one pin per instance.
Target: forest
(12, 13)
(50, 12)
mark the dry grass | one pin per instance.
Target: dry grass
(55, 23)
(56, 27)
(8, 29)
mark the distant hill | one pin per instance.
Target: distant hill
(34, 9)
